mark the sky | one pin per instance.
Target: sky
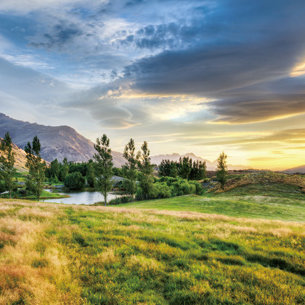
(201, 76)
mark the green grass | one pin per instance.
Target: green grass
(58, 254)
(97, 255)
(46, 195)
(268, 201)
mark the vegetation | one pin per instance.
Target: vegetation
(57, 254)
(186, 168)
(103, 158)
(36, 166)
(146, 169)
(222, 170)
(74, 181)
(268, 201)
(130, 169)
(7, 161)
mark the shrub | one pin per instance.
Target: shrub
(123, 199)
(161, 190)
(75, 181)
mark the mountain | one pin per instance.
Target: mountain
(299, 169)
(56, 142)
(59, 142)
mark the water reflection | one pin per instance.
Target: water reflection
(82, 198)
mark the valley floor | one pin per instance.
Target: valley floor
(59, 254)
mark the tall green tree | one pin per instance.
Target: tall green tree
(146, 170)
(54, 170)
(185, 167)
(36, 167)
(90, 174)
(222, 170)
(103, 158)
(130, 168)
(64, 170)
(7, 161)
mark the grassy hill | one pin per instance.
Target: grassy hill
(59, 254)
(268, 201)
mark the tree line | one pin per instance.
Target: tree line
(185, 168)
(139, 181)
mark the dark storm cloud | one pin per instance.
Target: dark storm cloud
(243, 60)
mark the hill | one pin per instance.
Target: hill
(20, 158)
(56, 141)
(299, 169)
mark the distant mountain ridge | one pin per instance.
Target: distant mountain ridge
(59, 142)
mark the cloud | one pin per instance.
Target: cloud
(25, 6)
(244, 74)
(287, 136)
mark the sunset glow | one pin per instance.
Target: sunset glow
(186, 76)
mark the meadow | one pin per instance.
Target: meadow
(170, 252)
(267, 201)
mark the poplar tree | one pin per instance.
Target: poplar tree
(130, 168)
(36, 166)
(7, 161)
(103, 158)
(222, 171)
(146, 170)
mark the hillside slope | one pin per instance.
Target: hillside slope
(56, 142)
(20, 158)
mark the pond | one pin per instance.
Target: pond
(82, 198)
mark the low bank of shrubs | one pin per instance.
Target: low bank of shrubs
(164, 187)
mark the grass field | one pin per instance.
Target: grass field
(269, 201)
(57, 254)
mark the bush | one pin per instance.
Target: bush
(2, 186)
(199, 187)
(161, 190)
(123, 199)
(75, 181)
(139, 194)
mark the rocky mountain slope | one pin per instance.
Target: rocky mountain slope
(56, 142)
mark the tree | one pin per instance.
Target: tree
(185, 167)
(146, 170)
(104, 166)
(54, 170)
(222, 172)
(7, 161)
(64, 170)
(36, 167)
(90, 175)
(130, 168)
(75, 181)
